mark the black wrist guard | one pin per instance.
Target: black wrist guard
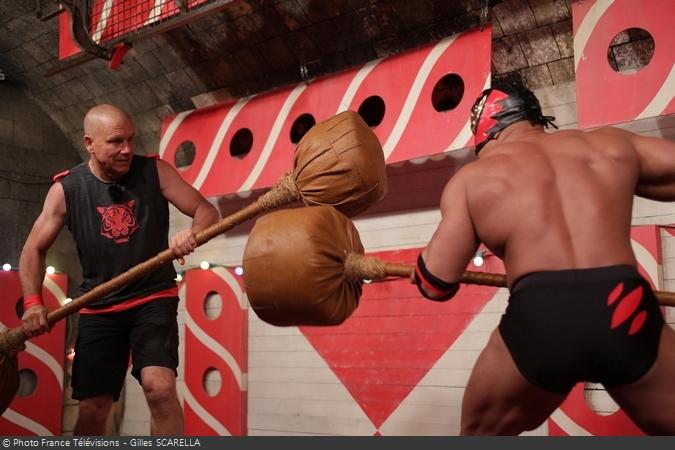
(431, 286)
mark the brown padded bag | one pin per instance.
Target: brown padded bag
(294, 267)
(340, 162)
(9, 380)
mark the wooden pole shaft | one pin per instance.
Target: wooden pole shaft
(665, 298)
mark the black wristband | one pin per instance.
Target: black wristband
(432, 287)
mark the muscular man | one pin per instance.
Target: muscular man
(115, 206)
(557, 208)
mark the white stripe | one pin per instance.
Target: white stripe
(26, 423)
(462, 138)
(228, 278)
(155, 13)
(54, 289)
(355, 84)
(409, 403)
(568, 425)
(46, 359)
(106, 10)
(465, 134)
(218, 349)
(662, 98)
(587, 26)
(218, 140)
(647, 261)
(272, 138)
(413, 94)
(204, 414)
(170, 130)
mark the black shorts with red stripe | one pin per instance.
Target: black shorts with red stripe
(149, 332)
(601, 325)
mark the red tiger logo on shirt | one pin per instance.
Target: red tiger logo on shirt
(118, 222)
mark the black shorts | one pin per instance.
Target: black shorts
(104, 341)
(600, 325)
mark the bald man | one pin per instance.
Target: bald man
(115, 205)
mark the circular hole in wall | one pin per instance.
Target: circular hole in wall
(630, 50)
(447, 92)
(598, 400)
(185, 155)
(27, 383)
(212, 381)
(372, 110)
(213, 305)
(241, 143)
(301, 126)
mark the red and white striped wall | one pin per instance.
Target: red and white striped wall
(411, 127)
(605, 96)
(215, 343)
(38, 413)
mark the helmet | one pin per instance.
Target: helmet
(497, 108)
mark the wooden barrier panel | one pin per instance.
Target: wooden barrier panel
(604, 96)
(249, 144)
(215, 344)
(395, 337)
(38, 412)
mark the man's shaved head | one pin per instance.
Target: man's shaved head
(102, 114)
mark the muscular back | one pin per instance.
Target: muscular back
(555, 201)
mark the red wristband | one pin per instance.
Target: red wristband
(32, 300)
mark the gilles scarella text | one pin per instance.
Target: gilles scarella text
(164, 442)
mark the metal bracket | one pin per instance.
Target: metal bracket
(181, 4)
(90, 49)
(80, 31)
(45, 16)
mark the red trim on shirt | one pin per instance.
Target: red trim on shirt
(60, 175)
(153, 156)
(133, 302)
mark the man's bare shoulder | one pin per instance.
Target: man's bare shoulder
(603, 142)
(479, 172)
(500, 157)
(468, 172)
(610, 132)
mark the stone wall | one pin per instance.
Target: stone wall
(32, 150)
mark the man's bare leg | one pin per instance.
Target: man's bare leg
(498, 400)
(650, 401)
(159, 385)
(93, 415)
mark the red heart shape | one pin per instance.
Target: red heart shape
(394, 337)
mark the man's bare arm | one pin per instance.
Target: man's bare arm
(454, 242)
(32, 262)
(191, 203)
(657, 167)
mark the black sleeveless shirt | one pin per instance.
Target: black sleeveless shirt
(117, 225)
